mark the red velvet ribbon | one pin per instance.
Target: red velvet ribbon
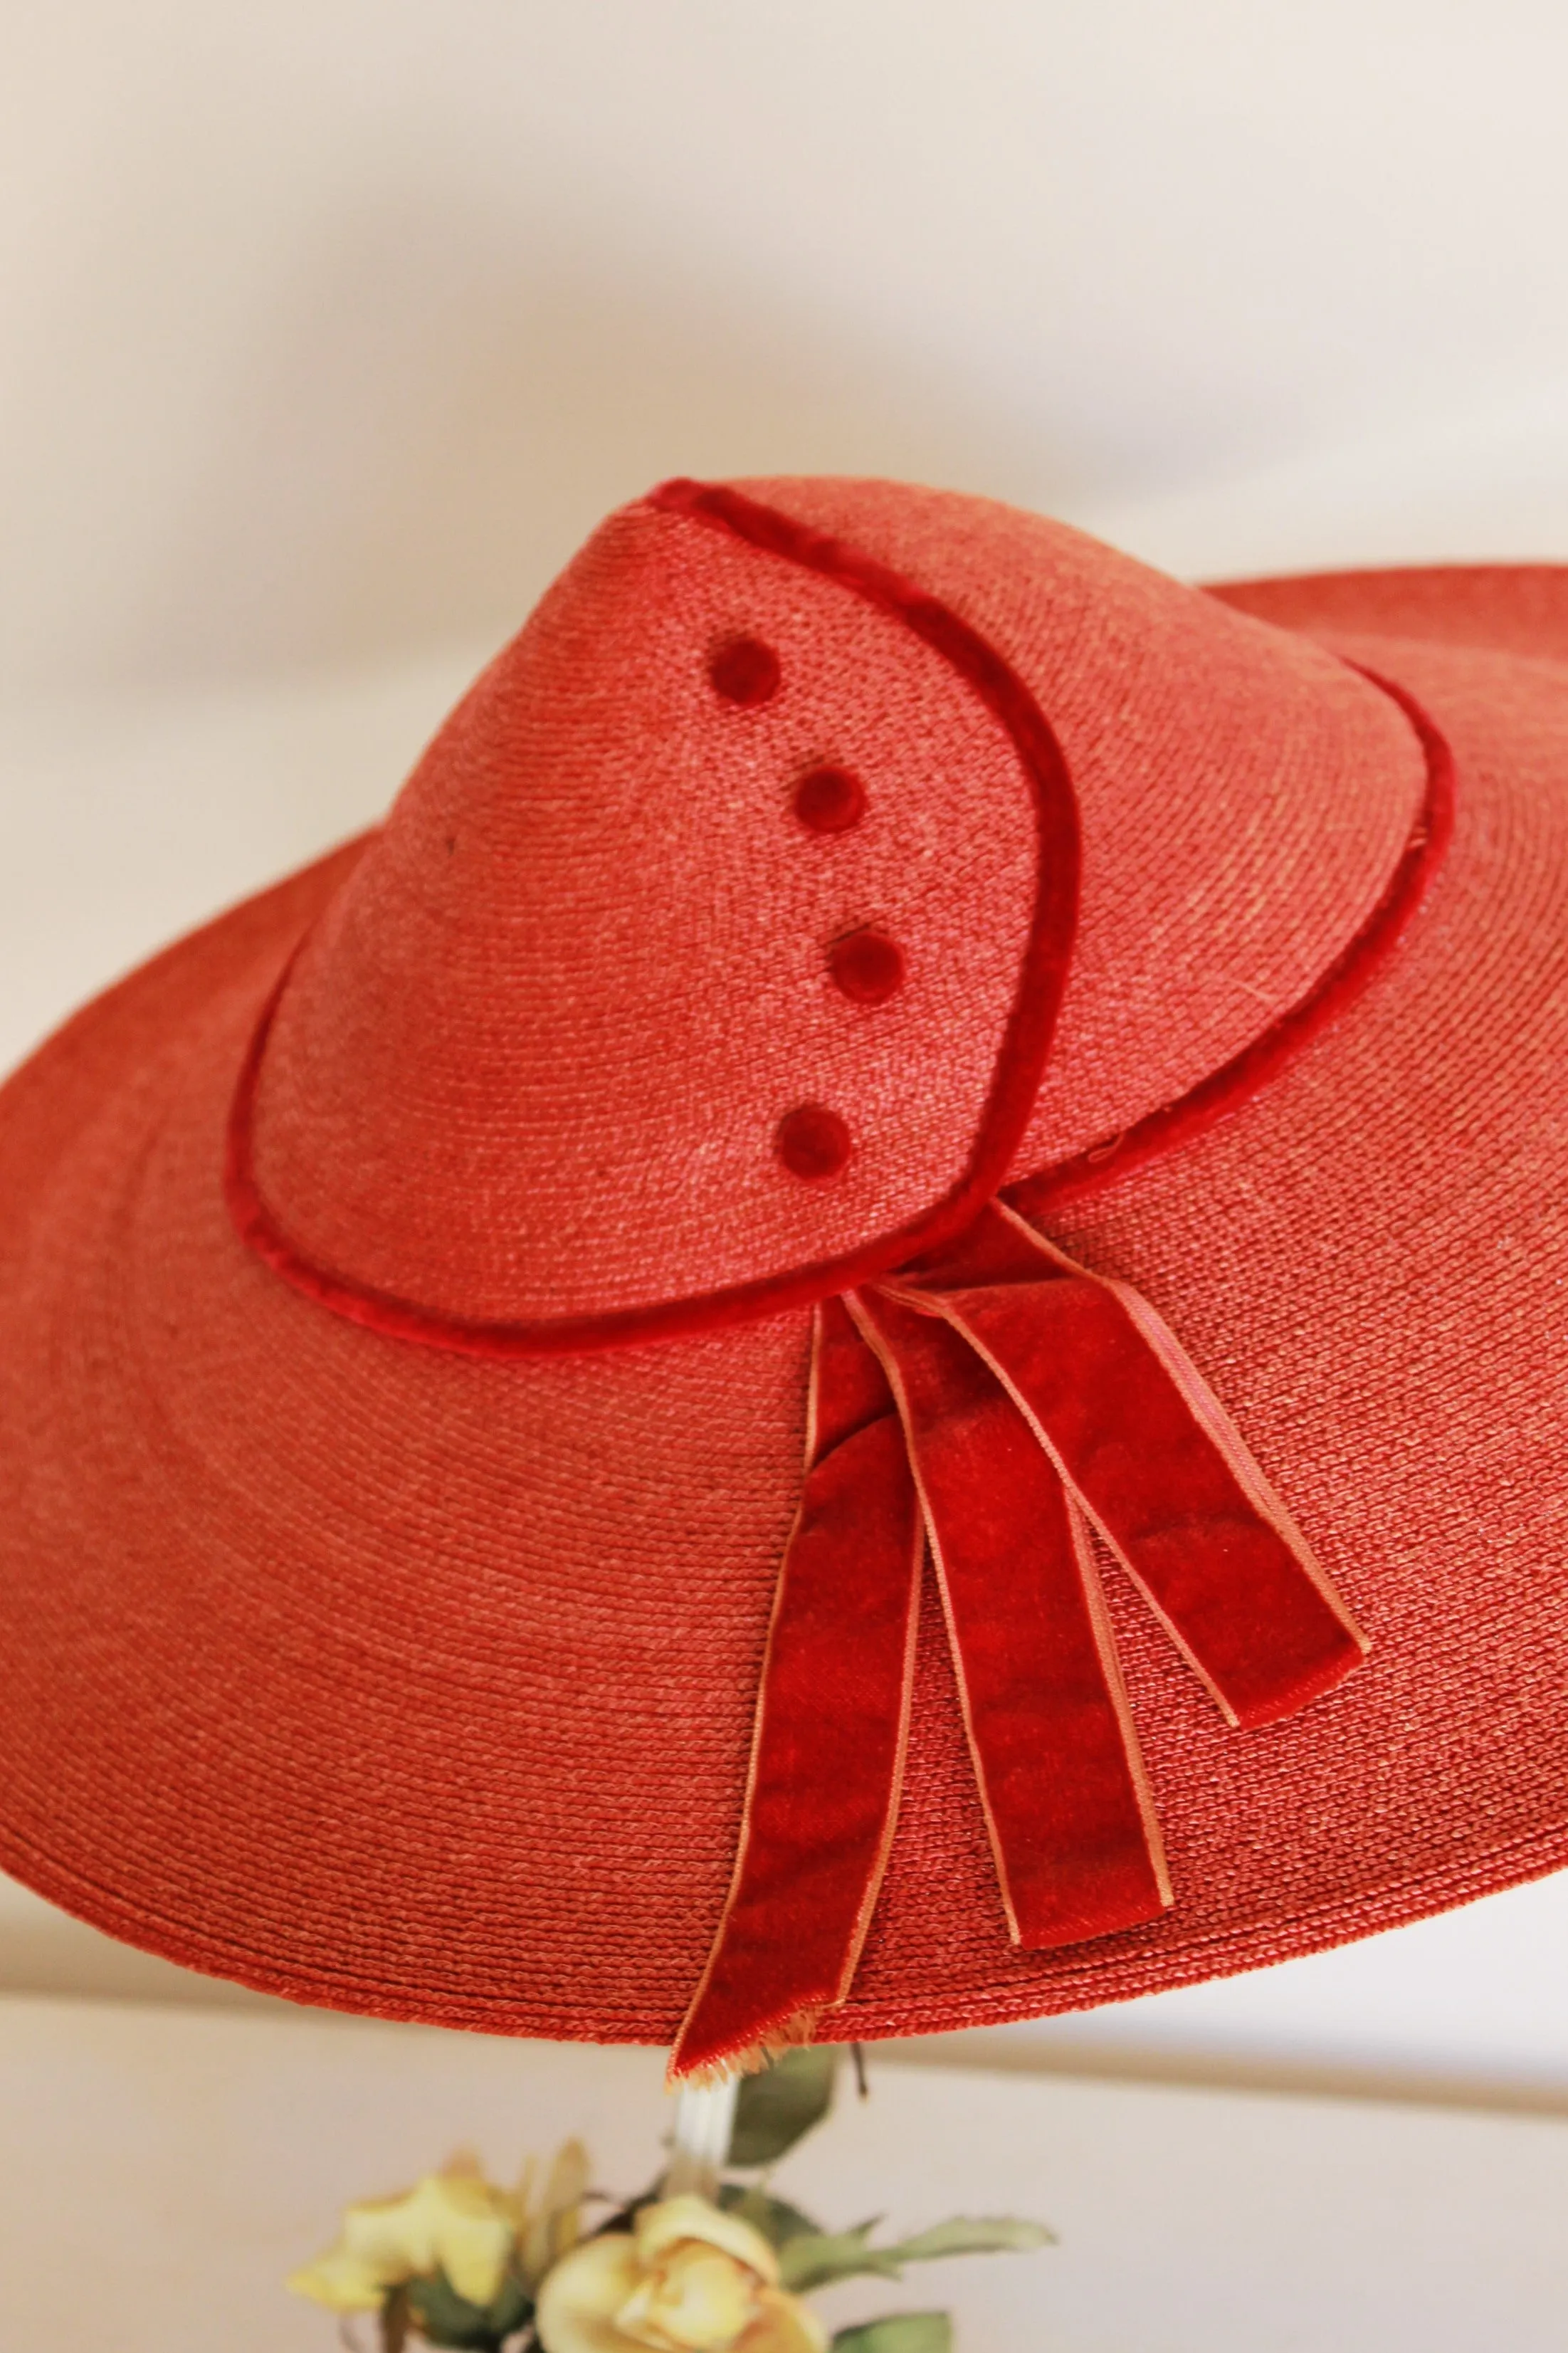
(995, 1404)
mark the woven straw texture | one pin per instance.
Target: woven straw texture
(401, 1682)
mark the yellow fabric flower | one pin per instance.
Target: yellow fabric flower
(689, 2278)
(454, 2222)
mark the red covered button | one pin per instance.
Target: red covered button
(811, 1141)
(829, 800)
(745, 671)
(867, 967)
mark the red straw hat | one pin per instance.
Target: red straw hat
(870, 973)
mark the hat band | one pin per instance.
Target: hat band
(995, 1405)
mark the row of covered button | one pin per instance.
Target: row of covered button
(866, 966)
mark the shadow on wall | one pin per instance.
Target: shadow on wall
(434, 414)
(45, 1952)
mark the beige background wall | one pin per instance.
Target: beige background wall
(327, 327)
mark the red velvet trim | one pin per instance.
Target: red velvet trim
(832, 1720)
(813, 1142)
(1016, 1076)
(829, 801)
(745, 672)
(1157, 1463)
(1066, 1801)
(1238, 1080)
(868, 966)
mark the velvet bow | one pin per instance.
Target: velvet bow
(994, 1405)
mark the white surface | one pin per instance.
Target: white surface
(123, 825)
(161, 2172)
(327, 328)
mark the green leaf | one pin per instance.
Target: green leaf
(778, 2108)
(625, 2217)
(444, 2317)
(828, 2256)
(986, 2234)
(776, 2218)
(901, 2332)
(806, 2263)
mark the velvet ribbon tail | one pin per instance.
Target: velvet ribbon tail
(1008, 1398)
(1155, 1461)
(832, 1722)
(1067, 1802)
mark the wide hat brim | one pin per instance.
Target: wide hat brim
(329, 1666)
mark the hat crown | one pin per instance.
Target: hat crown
(689, 955)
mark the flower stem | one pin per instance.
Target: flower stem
(704, 2120)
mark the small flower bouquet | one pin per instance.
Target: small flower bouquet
(457, 2261)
